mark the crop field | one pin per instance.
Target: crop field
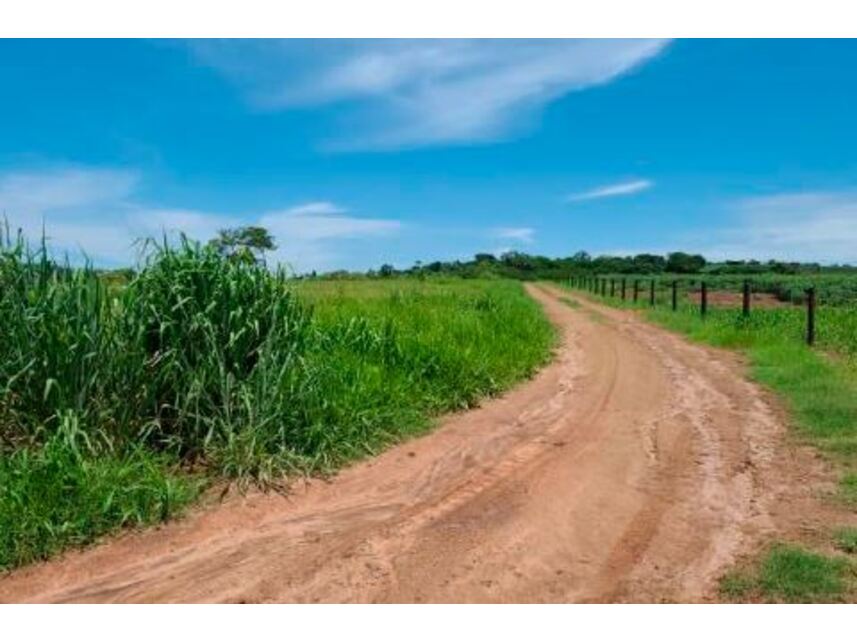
(121, 402)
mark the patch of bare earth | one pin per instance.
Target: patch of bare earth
(636, 467)
(726, 299)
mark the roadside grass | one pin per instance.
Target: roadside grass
(846, 539)
(110, 395)
(791, 574)
(53, 498)
(819, 389)
(571, 303)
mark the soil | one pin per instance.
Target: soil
(636, 467)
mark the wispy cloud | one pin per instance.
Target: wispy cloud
(523, 235)
(310, 235)
(803, 226)
(295, 223)
(398, 93)
(96, 212)
(615, 189)
(36, 191)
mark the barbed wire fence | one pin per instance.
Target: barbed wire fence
(618, 289)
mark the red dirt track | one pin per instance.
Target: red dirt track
(636, 467)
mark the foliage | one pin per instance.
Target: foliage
(846, 539)
(58, 496)
(683, 263)
(247, 243)
(520, 265)
(200, 362)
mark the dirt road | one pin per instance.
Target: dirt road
(635, 467)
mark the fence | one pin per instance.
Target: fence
(599, 285)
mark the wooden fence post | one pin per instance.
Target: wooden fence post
(652, 293)
(675, 295)
(810, 315)
(636, 290)
(745, 308)
(612, 287)
(703, 302)
(604, 287)
(623, 288)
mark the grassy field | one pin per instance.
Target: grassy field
(819, 387)
(121, 402)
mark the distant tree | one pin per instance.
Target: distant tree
(247, 243)
(386, 270)
(485, 257)
(683, 262)
(648, 263)
(515, 259)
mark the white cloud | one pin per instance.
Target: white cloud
(318, 208)
(615, 189)
(95, 212)
(803, 226)
(416, 92)
(28, 193)
(523, 235)
(318, 227)
(309, 234)
(76, 207)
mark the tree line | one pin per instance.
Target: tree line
(520, 265)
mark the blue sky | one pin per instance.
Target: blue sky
(356, 153)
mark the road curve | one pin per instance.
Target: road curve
(635, 467)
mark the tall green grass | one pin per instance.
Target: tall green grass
(110, 396)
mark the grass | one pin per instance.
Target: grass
(571, 303)
(52, 498)
(111, 394)
(791, 574)
(846, 539)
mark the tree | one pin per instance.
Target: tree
(247, 243)
(648, 263)
(682, 262)
(386, 270)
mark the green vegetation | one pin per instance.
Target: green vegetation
(794, 575)
(571, 303)
(54, 497)
(121, 399)
(787, 281)
(243, 244)
(846, 539)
